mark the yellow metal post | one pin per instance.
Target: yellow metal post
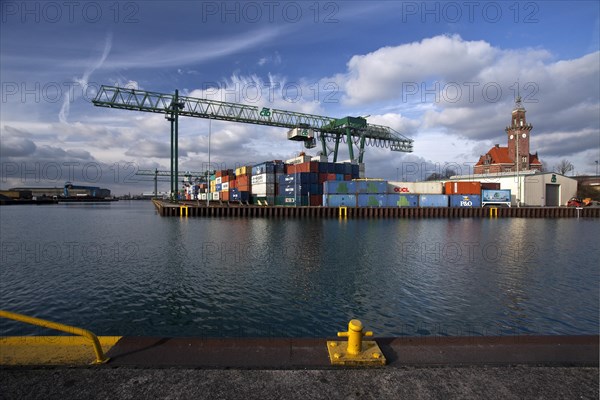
(493, 212)
(355, 351)
(100, 356)
(343, 212)
(181, 209)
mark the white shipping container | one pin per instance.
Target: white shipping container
(215, 195)
(225, 187)
(262, 179)
(415, 187)
(219, 180)
(263, 189)
(203, 196)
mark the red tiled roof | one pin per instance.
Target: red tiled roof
(499, 155)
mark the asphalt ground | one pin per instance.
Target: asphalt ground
(471, 382)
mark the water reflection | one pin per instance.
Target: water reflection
(277, 277)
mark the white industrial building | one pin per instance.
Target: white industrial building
(530, 188)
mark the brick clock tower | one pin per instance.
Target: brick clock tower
(518, 137)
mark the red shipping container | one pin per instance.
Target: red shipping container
(323, 178)
(463, 188)
(290, 169)
(490, 185)
(218, 174)
(243, 180)
(331, 177)
(225, 196)
(347, 177)
(225, 178)
(245, 188)
(316, 200)
(232, 184)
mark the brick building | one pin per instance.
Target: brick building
(515, 157)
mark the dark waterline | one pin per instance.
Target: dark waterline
(119, 269)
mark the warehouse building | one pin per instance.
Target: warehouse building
(530, 188)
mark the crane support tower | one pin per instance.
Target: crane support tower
(308, 128)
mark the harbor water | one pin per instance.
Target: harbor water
(120, 269)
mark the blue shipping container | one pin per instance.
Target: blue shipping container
(219, 186)
(339, 187)
(290, 179)
(236, 195)
(402, 200)
(339, 168)
(347, 169)
(339, 177)
(433, 200)
(373, 187)
(339, 200)
(355, 171)
(372, 200)
(495, 195)
(291, 190)
(315, 188)
(264, 168)
(465, 200)
(313, 177)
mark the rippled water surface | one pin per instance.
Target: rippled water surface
(120, 269)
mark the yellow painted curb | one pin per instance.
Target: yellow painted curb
(51, 350)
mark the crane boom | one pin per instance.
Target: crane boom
(355, 131)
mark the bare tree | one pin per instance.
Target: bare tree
(563, 167)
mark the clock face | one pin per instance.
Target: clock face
(524, 135)
(511, 137)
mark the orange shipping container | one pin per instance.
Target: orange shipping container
(463, 188)
(225, 196)
(243, 180)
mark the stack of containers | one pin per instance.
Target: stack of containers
(407, 194)
(371, 194)
(241, 186)
(226, 177)
(264, 181)
(339, 194)
(464, 194)
(367, 193)
(294, 189)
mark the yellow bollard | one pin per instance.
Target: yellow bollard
(343, 212)
(355, 351)
(181, 209)
(354, 335)
(493, 212)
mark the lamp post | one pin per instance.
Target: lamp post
(208, 169)
(597, 164)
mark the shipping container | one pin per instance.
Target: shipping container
(463, 187)
(237, 195)
(291, 201)
(225, 196)
(490, 185)
(264, 189)
(291, 179)
(415, 187)
(215, 196)
(498, 197)
(243, 181)
(291, 190)
(339, 200)
(371, 200)
(355, 171)
(316, 200)
(433, 200)
(218, 187)
(225, 187)
(402, 200)
(264, 168)
(372, 187)
(262, 179)
(245, 170)
(322, 178)
(219, 180)
(313, 177)
(339, 187)
(465, 200)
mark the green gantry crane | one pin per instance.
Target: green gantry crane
(308, 128)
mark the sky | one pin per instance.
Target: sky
(444, 74)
